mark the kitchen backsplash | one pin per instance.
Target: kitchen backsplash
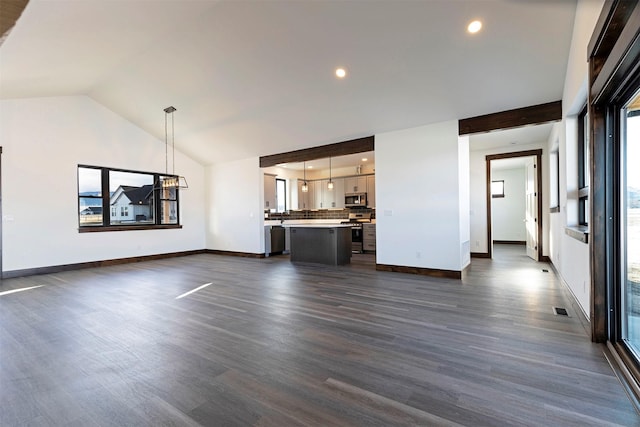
(320, 214)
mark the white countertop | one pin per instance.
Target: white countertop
(312, 222)
(302, 221)
(317, 225)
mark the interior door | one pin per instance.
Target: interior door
(531, 215)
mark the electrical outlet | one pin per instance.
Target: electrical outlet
(418, 254)
(477, 243)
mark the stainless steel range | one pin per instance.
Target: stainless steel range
(356, 220)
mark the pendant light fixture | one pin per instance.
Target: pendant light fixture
(305, 186)
(330, 183)
(168, 181)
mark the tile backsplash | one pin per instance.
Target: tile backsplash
(319, 214)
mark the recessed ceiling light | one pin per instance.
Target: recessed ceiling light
(309, 167)
(474, 27)
(364, 159)
(341, 73)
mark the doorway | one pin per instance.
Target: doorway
(531, 235)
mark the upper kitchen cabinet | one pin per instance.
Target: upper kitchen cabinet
(355, 184)
(336, 197)
(371, 191)
(269, 191)
(306, 200)
(328, 199)
(318, 200)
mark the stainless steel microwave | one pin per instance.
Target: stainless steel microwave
(352, 200)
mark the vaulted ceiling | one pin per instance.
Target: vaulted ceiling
(252, 78)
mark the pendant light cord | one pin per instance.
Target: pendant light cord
(166, 146)
(173, 145)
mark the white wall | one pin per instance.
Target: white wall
(235, 200)
(418, 211)
(464, 200)
(569, 256)
(479, 241)
(43, 141)
(508, 212)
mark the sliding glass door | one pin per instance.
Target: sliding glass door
(630, 223)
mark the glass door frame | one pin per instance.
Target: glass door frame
(618, 330)
(614, 72)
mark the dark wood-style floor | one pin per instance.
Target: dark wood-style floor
(269, 343)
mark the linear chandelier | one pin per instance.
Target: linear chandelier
(174, 181)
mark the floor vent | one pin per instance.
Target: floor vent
(544, 270)
(559, 311)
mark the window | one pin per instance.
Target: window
(554, 181)
(131, 193)
(630, 222)
(133, 199)
(583, 168)
(281, 195)
(90, 197)
(168, 205)
(497, 188)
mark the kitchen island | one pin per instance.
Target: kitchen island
(321, 243)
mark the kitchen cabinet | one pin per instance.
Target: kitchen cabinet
(269, 191)
(327, 199)
(321, 244)
(371, 191)
(306, 200)
(335, 198)
(318, 187)
(355, 184)
(369, 237)
(319, 196)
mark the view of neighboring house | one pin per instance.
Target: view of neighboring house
(132, 204)
(92, 210)
(91, 215)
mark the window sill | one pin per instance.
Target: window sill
(99, 229)
(578, 232)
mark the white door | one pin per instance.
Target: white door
(531, 215)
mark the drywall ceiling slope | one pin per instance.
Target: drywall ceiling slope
(254, 78)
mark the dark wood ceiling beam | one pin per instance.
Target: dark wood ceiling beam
(10, 11)
(536, 114)
(623, 28)
(353, 146)
(611, 23)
